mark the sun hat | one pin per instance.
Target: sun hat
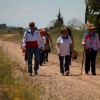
(90, 26)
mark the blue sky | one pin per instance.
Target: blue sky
(20, 12)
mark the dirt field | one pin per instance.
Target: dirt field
(58, 87)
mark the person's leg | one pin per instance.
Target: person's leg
(25, 56)
(46, 55)
(36, 65)
(49, 49)
(93, 61)
(70, 58)
(87, 63)
(44, 60)
(67, 63)
(41, 58)
(29, 56)
(61, 59)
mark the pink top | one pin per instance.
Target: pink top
(91, 42)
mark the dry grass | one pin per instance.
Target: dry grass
(14, 84)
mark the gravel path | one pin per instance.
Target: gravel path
(58, 87)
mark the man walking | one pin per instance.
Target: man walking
(30, 43)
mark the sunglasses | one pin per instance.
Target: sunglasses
(31, 25)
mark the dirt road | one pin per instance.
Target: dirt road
(58, 87)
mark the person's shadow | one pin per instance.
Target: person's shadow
(44, 75)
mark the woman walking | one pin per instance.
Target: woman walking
(63, 49)
(72, 47)
(91, 45)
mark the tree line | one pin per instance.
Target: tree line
(92, 14)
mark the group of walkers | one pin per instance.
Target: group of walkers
(37, 42)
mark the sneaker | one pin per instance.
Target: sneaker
(69, 63)
(62, 73)
(86, 73)
(41, 65)
(30, 74)
(67, 73)
(35, 72)
(46, 60)
(26, 62)
(93, 73)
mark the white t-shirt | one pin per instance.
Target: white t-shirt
(43, 42)
(64, 45)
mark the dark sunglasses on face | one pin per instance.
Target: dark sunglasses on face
(31, 25)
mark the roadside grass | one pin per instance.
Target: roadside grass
(11, 34)
(13, 38)
(15, 84)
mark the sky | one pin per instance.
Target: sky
(20, 12)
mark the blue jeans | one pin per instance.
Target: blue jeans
(64, 66)
(42, 57)
(25, 56)
(30, 52)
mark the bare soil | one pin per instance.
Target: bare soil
(58, 87)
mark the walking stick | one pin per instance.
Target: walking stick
(82, 61)
(86, 37)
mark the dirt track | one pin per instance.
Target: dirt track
(58, 87)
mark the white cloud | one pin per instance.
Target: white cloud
(42, 6)
(68, 5)
(78, 5)
(19, 4)
(74, 5)
(21, 13)
(72, 14)
(27, 9)
(4, 13)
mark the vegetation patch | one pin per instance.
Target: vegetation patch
(15, 84)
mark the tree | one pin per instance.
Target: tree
(82, 27)
(51, 23)
(75, 23)
(59, 21)
(92, 14)
(3, 26)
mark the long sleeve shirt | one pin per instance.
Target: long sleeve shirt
(91, 42)
(31, 38)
